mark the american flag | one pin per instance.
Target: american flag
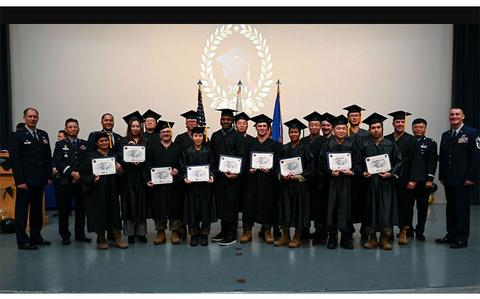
(201, 114)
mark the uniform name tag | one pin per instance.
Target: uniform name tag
(27, 142)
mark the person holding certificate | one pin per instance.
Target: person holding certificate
(227, 142)
(296, 168)
(161, 170)
(383, 160)
(338, 162)
(197, 163)
(98, 171)
(261, 181)
(133, 195)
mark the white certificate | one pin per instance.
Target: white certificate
(200, 173)
(339, 161)
(103, 166)
(261, 160)
(291, 166)
(230, 164)
(134, 153)
(161, 175)
(376, 164)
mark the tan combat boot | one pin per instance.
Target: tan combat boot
(102, 241)
(175, 239)
(371, 243)
(160, 237)
(285, 239)
(385, 243)
(268, 235)
(119, 243)
(297, 239)
(402, 238)
(247, 235)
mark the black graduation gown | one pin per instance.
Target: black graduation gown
(339, 212)
(243, 179)
(101, 198)
(133, 192)
(226, 190)
(381, 205)
(183, 140)
(318, 188)
(261, 189)
(294, 205)
(359, 186)
(165, 202)
(199, 203)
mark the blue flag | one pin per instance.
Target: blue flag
(277, 126)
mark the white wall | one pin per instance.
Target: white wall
(86, 70)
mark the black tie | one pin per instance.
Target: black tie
(35, 135)
(454, 134)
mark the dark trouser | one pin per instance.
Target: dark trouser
(421, 194)
(31, 197)
(66, 194)
(405, 204)
(229, 228)
(458, 212)
(199, 229)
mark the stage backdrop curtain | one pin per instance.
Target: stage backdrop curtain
(5, 98)
(466, 77)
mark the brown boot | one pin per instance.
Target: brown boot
(402, 238)
(297, 239)
(160, 237)
(102, 241)
(385, 244)
(175, 237)
(285, 239)
(247, 235)
(119, 243)
(371, 243)
(268, 235)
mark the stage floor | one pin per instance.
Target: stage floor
(255, 267)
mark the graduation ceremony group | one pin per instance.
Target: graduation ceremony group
(329, 175)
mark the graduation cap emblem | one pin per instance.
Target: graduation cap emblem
(235, 63)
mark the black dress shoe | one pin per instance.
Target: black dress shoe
(420, 237)
(42, 242)
(346, 243)
(27, 246)
(66, 241)
(194, 240)
(444, 240)
(459, 244)
(131, 240)
(218, 237)
(204, 240)
(142, 239)
(83, 239)
(228, 240)
(332, 243)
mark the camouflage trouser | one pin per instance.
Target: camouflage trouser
(204, 229)
(174, 225)
(386, 231)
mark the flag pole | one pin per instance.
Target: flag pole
(238, 105)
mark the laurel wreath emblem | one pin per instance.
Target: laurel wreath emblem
(251, 99)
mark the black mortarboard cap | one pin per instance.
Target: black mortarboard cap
(339, 120)
(327, 117)
(99, 135)
(353, 108)
(314, 116)
(133, 115)
(198, 130)
(151, 113)
(261, 118)
(190, 115)
(227, 111)
(295, 123)
(162, 124)
(399, 114)
(241, 115)
(374, 118)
